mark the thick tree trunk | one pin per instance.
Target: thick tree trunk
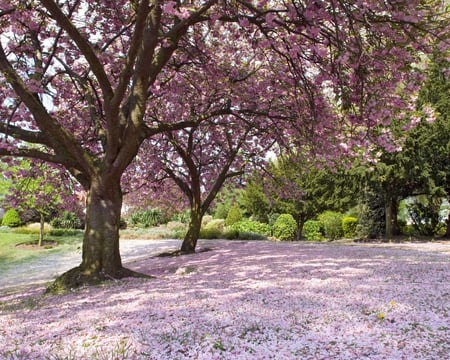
(391, 213)
(101, 237)
(193, 233)
(100, 257)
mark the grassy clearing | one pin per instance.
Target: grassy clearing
(12, 255)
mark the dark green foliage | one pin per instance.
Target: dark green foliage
(224, 201)
(255, 201)
(67, 220)
(234, 215)
(64, 232)
(250, 236)
(11, 218)
(371, 216)
(230, 234)
(425, 215)
(285, 228)
(251, 226)
(147, 218)
(349, 224)
(313, 230)
(332, 224)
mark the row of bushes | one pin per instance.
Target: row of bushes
(331, 225)
(284, 228)
(67, 220)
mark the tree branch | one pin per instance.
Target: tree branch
(83, 46)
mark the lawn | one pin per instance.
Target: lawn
(12, 255)
(248, 300)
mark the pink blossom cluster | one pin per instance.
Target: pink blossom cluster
(248, 300)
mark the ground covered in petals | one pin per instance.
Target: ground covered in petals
(248, 300)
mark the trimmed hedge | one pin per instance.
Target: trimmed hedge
(250, 226)
(11, 218)
(313, 230)
(285, 228)
(349, 226)
(332, 224)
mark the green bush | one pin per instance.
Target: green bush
(147, 218)
(26, 230)
(218, 224)
(332, 224)
(285, 227)
(250, 226)
(210, 233)
(234, 215)
(426, 215)
(183, 217)
(67, 220)
(349, 224)
(65, 232)
(230, 234)
(11, 218)
(312, 230)
(250, 236)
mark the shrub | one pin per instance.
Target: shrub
(176, 226)
(250, 226)
(11, 218)
(250, 236)
(349, 224)
(211, 233)
(147, 218)
(426, 215)
(67, 220)
(285, 227)
(213, 229)
(234, 215)
(206, 219)
(183, 217)
(215, 224)
(332, 224)
(312, 230)
(64, 232)
(230, 234)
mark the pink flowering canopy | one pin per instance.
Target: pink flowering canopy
(336, 66)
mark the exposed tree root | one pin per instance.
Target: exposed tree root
(77, 277)
(175, 253)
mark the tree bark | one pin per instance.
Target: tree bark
(100, 252)
(190, 240)
(101, 237)
(388, 218)
(41, 229)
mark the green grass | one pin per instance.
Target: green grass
(11, 255)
